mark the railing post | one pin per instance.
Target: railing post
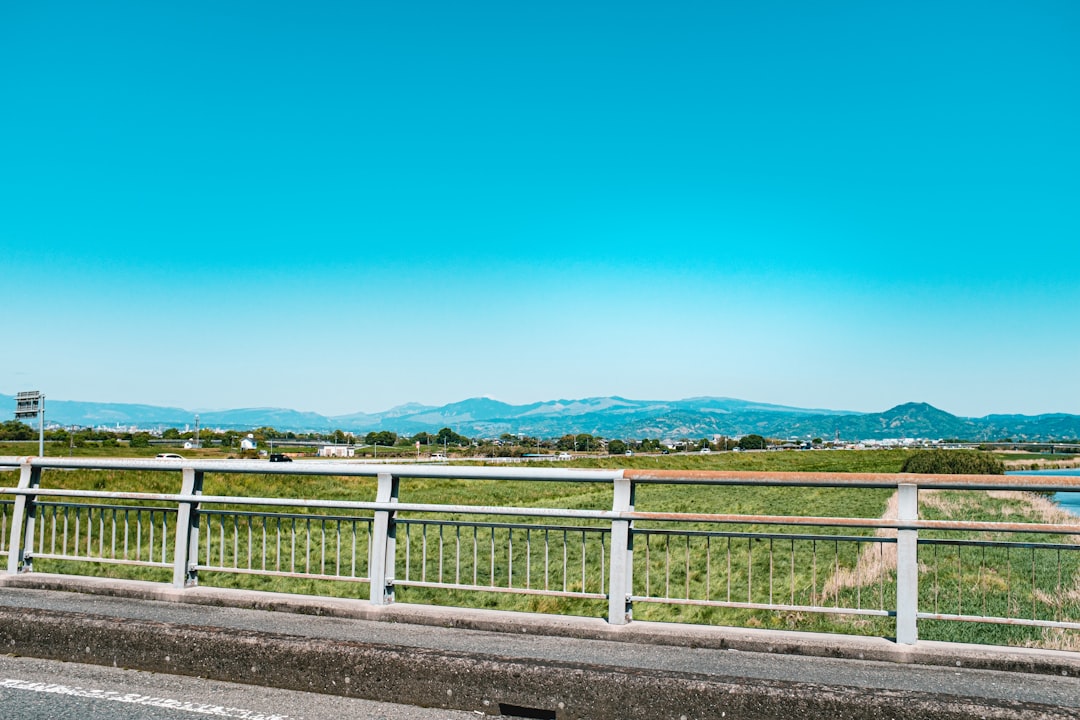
(186, 554)
(383, 543)
(907, 567)
(621, 581)
(21, 541)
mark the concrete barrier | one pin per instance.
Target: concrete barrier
(487, 683)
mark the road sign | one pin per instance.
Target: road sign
(28, 404)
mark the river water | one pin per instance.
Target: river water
(1069, 501)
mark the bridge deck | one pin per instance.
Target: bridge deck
(524, 665)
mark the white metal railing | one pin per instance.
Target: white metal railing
(954, 570)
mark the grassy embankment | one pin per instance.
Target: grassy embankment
(812, 572)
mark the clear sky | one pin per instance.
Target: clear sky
(345, 206)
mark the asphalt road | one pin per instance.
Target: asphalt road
(46, 689)
(955, 682)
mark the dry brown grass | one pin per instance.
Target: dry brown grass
(875, 561)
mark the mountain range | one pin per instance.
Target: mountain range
(603, 416)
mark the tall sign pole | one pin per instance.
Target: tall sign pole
(27, 405)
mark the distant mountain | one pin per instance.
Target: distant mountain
(604, 416)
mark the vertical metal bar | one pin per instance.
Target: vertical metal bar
(982, 585)
(687, 569)
(565, 560)
(959, 583)
(937, 582)
(510, 559)
(621, 568)
(729, 568)
(21, 540)
(708, 567)
(113, 549)
(475, 554)
(408, 549)
(791, 579)
(547, 560)
(1033, 593)
(442, 545)
(41, 527)
(667, 566)
(836, 571)
(770, 571)
(250, 539)
(749, 570)
(858, 576)
(322, 547)
(583, 556)
(382, 545)
(307, 545)
(423, 553)
(528, 558)
(648, 564)
(907, 566)
(185, 556)
(457, 554)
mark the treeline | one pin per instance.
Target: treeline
(446, 439)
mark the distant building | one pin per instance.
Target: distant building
(247, 443)
(346, 451)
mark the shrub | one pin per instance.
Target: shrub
(953, 462)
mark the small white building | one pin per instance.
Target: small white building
(247, 443)
(345, 451)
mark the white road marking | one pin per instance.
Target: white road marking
(137, 699)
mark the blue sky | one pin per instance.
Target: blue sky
(348, 206)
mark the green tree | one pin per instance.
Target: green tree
(616, 447)
(383, 437)
(170, 434)
(140, 440)
(752, 442)
(446, 436)
(15, 430)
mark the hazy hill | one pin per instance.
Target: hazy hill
(604, 416)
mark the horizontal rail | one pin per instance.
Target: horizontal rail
(1042, 482)
(792, 520)
(1000, 621)
(734, 604)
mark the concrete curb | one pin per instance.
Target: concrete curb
(486, 684)
(983, 657)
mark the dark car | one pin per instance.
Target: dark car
(280, 457)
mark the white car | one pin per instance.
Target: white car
(169, 456)
(438, 457)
